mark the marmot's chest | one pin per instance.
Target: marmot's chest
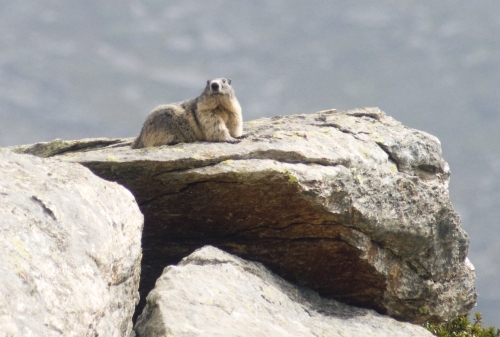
(222, 112)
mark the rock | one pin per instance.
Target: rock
(213, 293)
(70, 250)
(351, 204)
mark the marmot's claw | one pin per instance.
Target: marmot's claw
(243, 136)
(233, 141)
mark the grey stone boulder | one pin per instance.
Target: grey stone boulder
(70, 250)
(351, 204)
(213, 293)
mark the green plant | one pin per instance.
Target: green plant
(462, 327)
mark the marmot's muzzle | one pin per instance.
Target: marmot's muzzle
(215, 86)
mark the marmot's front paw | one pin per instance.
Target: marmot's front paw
(233, 140)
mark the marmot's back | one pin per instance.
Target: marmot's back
(213, 116)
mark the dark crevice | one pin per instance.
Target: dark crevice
(274, 155)
(187, 186)
(93, 146)
(429, 169)
(374, 115)
(419, 269)
(183, 169)
(377, 115)
(389, 154)
(121, 280)
(343, 130)
(46, 210)
(292, 158)
(96, 261)
(336, 126)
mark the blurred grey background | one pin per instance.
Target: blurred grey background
(75, 69)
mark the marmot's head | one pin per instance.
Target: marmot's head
(219, 86)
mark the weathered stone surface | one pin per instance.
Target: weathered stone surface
(213, 293)
(70, 250)
(351, 204)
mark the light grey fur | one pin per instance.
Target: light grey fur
(214, 116)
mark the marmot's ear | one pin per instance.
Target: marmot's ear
(208, 81)
(228, 81)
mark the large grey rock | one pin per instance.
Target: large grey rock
(351, 204)
(70, 249)
(213, 293)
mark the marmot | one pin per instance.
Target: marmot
(214, 116)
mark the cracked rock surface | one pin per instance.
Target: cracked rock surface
(213, 293)
(351, 204)
(70, 250)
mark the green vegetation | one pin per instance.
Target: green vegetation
(463, 327)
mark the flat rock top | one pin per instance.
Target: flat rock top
(325, 138)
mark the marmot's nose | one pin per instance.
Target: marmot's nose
(215, 86)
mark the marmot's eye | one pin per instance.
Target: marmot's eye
(223, 81)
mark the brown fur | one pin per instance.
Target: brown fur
(214, 116)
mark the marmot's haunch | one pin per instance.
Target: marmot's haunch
(214, 116)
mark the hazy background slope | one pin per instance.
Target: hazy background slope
(74, 69)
